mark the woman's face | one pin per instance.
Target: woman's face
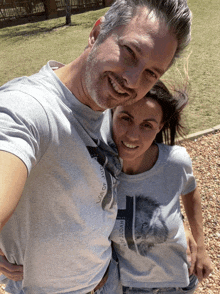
(135, 128)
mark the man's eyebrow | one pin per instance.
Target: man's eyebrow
(137, 47)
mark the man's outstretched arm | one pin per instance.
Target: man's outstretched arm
(13, 175)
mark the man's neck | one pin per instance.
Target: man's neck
(72, 76)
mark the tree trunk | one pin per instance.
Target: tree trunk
(108, 2)
(68, 12)
(50, 8)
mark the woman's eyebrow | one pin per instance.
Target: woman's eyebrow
(145, 120)
(126, 112)
(150, 119)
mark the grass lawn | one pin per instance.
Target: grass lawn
(26, 48)
(203, 56)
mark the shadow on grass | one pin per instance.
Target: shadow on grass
(32, 29)
(37, 25)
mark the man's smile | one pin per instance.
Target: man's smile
(116, 87)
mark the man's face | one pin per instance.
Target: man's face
(125, 66)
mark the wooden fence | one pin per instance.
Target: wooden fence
(14, 12)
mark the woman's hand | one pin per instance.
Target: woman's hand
(200, 262)
(193, 209)
(191, 249)
(203, 265)
(11, 271)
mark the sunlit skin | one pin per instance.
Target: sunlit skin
(124, 67)
(134, 130)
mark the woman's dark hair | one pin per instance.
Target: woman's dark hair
(172, 106)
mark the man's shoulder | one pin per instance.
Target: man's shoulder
(43, 81)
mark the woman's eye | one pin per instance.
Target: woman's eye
(126, 118)
(147, 126)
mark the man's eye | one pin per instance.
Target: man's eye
(151, 73)
(130, 51)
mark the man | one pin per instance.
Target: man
(58, 178)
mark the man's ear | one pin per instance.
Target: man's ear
(95, 31)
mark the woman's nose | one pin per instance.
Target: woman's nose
(133, 133)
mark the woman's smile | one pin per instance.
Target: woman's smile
(130, 146)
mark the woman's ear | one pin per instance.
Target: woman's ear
(95, 31)
(161, 126)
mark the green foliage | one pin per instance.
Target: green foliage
(26, 48)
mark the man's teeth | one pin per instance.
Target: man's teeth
(129, 145)
(116, 88)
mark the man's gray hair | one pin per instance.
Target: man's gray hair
(176, 14)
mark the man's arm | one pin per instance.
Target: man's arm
(192, 205)
(13, 175)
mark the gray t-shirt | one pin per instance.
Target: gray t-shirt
(61, 226)
(149, 235)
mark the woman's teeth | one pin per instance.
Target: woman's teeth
(129, 145)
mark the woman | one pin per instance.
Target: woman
(148, 236)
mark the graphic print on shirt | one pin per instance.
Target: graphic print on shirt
(107, 196)
(144, 225)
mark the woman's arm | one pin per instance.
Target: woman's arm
(11, 271)
(191, 248)
(192, 205)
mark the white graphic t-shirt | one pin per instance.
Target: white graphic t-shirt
(148, 236)
(61, 226)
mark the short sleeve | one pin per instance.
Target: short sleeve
(189, 184)
(24, 126)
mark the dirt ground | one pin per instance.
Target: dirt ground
(205, 155)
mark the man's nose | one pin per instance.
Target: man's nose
(132, 77)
